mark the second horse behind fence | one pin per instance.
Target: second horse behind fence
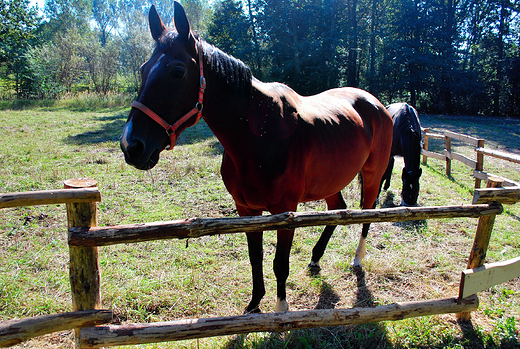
(406, 143)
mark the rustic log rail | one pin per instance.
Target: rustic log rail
(476, 165)
(197, 227)
(16, 331)
(49, 197)
(132, 334)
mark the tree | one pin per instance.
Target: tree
(18, 23)
(63, 15)
(229, 29)
(103, 64)
(301, 42)
(105, 14)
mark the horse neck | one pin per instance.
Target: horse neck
(410, 130)
(226, 102)
(413, 155)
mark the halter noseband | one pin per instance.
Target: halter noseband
(170, 129)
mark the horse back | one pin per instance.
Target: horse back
(407, 127)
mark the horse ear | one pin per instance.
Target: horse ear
(157, 27)
(181, 22)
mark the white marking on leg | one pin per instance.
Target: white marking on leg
(281, 305)
(360, 252)
(314, 264)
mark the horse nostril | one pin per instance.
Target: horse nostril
(133, 148)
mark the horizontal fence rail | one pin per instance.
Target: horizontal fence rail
(197, 227)
(133, 334)
(85, 274)
(477, 165)
(49, 197)
(16, 331)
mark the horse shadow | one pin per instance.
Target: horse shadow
(110, 131)
(388, 201)
(357, 336)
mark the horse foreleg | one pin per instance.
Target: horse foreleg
(334, 202)
(254, 244)
(281, 266)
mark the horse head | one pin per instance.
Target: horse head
(410, 191)
(171, 92)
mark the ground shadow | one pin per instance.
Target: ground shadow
(470, 335)
(328, 297)
(112, 128)
(110, 131)
(371, 335)
(387, 201)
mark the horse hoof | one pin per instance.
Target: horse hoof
(314, 265)
(356, 264)
(255, 310)
(281, 305)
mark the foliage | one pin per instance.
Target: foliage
(229, 30)
(17, 34)
(442, 56)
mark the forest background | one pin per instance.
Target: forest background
(442, 56)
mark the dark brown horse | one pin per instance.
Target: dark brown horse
(280, 148)
(406, 143)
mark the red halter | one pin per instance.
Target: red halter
(170, 129)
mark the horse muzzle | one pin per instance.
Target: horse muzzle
(137, 153)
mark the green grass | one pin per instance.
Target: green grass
(167, 280)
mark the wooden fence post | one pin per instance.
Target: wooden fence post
(425, 144)
(480, 162)
(478, 252)
(84, 261)
(448, 156)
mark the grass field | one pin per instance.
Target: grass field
(166, 280)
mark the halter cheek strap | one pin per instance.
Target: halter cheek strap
(197, 110)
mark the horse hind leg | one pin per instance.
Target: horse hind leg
(334, 202)
(370, 188)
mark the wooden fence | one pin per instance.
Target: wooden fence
(477, 164)
(85, 237)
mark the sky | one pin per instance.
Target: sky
(39, 3)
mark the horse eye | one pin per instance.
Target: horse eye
(177, 72)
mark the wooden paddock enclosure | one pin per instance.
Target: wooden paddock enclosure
(477, 165)
(85, 238)
(92, 324)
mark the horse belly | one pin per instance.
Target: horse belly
(328, 172)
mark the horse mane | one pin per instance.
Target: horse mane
(229, 70)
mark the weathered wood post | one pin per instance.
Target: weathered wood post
(448, 155)
(425, 144)
(84, 261)
(480, 162)
(478, 252)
